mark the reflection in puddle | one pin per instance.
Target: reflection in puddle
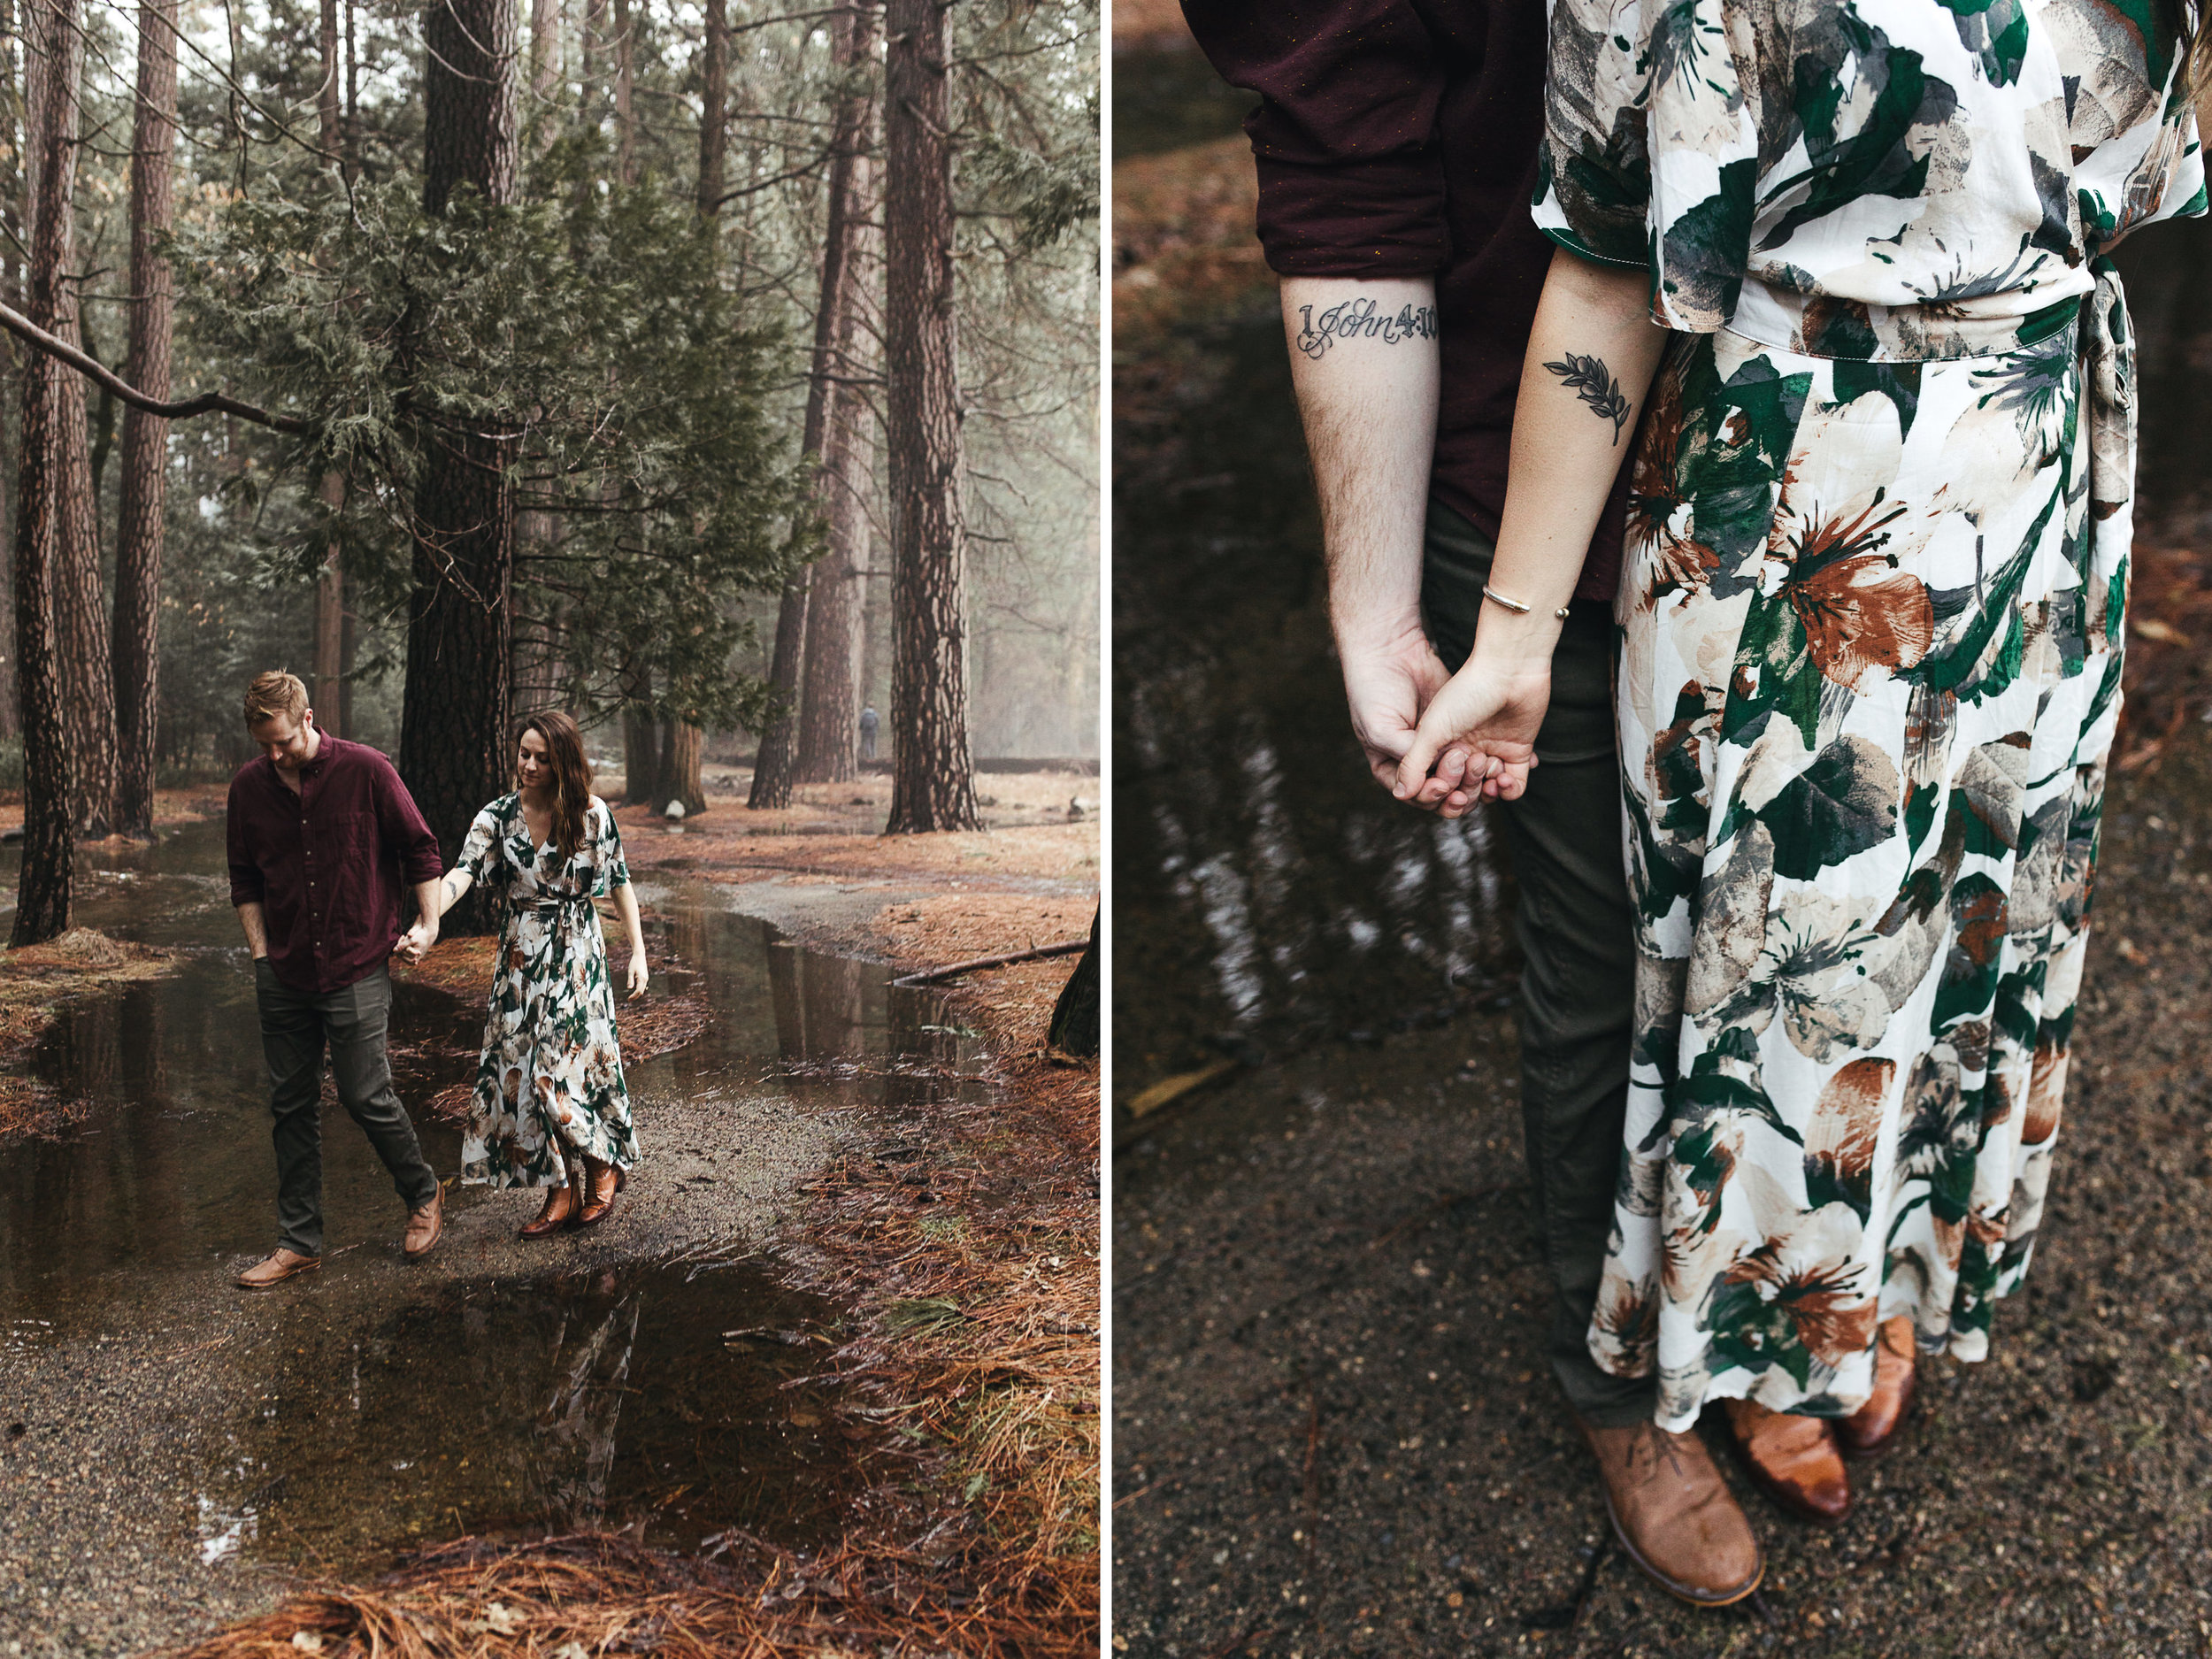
(636, 1396)
(1268, 891)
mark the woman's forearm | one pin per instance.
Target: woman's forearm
(451, 886)
(625, 907)
(1591, 356)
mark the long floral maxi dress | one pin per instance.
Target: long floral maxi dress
(550, 1079)
(1872, 612)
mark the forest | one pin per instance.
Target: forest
(711, 371)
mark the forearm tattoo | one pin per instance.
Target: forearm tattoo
(1361, 319)
(1587, 379)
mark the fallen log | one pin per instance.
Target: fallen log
(932, 976)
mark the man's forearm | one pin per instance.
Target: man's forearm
(1363, 359)
(254, 920)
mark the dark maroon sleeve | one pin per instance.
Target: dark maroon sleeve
(401, 823)
(246, 885)
(1351, 180)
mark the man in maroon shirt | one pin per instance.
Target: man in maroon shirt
(321, 831)
(1396, 149)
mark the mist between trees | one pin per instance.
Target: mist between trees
(708, 369)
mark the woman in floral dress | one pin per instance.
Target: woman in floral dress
(551, 1109)
(1872, 615)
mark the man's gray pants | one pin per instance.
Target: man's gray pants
(1576, 927)
(296, 1028)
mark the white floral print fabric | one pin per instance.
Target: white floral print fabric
(549, 1080)
(1873, 607)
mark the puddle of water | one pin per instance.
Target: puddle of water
(603, 1399)
(370, 1411)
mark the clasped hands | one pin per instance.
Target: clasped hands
(1438, 741)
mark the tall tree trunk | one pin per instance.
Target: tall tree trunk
(545, 46)
(589, 106)
(932, 775)
(714, 112)
(773, 765)
(828, 712)
(453, 724)
(625, 93)
(330, 588)
(682, 747)
(80, 619)
(43, 888)
(12, 184)
(640, 742)
(139, 532)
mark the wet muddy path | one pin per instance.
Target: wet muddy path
(170, 1447)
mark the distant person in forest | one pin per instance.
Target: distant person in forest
(551, 1109)
(868, 723)
(321, 833)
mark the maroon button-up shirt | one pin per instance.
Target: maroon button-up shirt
(326, 864)
(1397, 138)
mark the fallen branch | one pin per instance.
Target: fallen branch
(932, 976)
(205, 404)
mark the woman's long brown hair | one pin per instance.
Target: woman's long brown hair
(571, 775)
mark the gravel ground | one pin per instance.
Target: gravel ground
(118, 1470)
(1331, 1436)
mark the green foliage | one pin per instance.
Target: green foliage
(590, 332)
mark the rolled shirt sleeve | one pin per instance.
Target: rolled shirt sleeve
(400, 822)
(1350, 171)
(246, 884)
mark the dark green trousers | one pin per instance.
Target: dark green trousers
(1578, 953)
(296, 1028)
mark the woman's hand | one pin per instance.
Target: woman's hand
(1477, 737)
(638, 974)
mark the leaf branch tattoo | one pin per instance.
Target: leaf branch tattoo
(1587, 379)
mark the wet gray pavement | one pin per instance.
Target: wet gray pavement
(173, 1450)
(1331, 1434)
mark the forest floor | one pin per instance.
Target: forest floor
(962, 1261)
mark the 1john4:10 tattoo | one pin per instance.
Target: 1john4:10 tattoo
(1360, 318)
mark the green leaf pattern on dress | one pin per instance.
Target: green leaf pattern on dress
(1872, 611)
(550, 1081)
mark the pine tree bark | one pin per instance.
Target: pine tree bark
(682, 747)
(139, 533)
(774, 765)
(44, 885)
(13, 182)
(454, 720)
(625, 93)
(828, 710)
(714, 111)
(640, 759)
(330, 586)
(933, 774)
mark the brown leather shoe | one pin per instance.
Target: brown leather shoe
(604, 1185)
(557, 1216)
(1874, 1426)
(1674, 1515)
(1793, 1459)
(269, 1274)
(424, 1226)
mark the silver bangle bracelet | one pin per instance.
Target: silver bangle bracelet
(1515, 605)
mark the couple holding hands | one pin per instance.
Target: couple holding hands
(322, 832)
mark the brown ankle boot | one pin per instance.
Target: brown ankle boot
(1873, 1426)
(1674, 1515)
(559, 1211)
(1793, 1458)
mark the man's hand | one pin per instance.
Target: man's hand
(415, 943)
(1389, 687)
